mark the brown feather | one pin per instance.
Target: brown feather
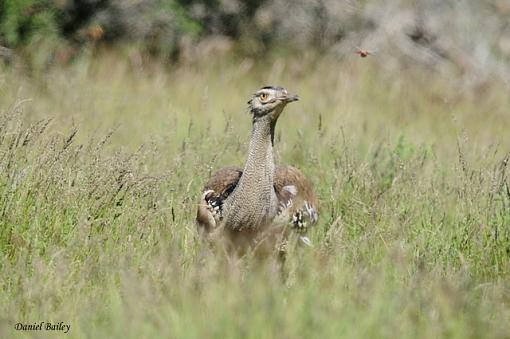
(291, 176)
(220, 185)
(224, 181)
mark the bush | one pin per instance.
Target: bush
(22, 21)
(466, 38)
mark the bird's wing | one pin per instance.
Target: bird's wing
(296, 197)
(217, 189)
(298, 204)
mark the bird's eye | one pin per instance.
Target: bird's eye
(263, 96)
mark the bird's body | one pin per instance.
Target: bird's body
(257, 207)
(363, 52)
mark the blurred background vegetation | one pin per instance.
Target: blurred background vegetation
(468, 37)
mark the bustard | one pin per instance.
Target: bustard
(259, 206)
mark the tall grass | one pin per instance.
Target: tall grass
(101, 165)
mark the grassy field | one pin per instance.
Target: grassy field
(102, 162)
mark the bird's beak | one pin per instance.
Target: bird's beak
(289, 97)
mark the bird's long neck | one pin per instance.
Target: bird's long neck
(254, 202)
(259, 167)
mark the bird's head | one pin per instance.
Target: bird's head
(270, 101)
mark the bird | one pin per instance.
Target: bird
(363, 52)
(257, 208)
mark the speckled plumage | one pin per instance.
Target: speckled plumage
(261, 203)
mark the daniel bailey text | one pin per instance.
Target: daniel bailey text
(43, 326)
